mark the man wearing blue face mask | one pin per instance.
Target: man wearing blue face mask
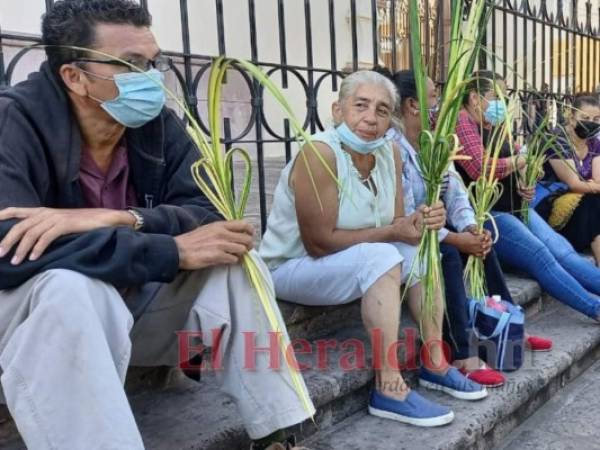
(101, 223)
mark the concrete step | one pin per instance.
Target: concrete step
(174, 412)
(484, 424)
(569, 421)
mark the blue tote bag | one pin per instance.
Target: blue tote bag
(501, 334)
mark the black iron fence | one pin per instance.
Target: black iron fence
(543, 48)
(559, 40)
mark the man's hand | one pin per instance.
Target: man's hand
(473, 242)
(434, 216)
(214, 244)
(39, 227)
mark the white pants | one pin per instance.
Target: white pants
(343, 276)
(65, 347)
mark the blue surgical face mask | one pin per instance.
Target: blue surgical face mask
(357, 144)
(495, 112)
(141, 98)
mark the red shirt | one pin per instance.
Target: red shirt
(112, 189)
(469, 135)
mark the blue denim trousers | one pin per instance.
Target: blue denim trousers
(548, 257)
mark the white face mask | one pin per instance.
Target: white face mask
(350, 139)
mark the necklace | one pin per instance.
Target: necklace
(366, 180)
(369, 166)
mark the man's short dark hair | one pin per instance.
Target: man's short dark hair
(73, 23)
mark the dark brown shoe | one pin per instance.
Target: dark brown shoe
(288, 444)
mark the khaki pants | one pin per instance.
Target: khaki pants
(66, 341)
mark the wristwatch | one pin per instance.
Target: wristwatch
(139, 219)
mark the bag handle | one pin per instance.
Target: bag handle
(473, 304)
(502, 323)
(503, 342)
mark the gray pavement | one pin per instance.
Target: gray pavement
(569, 421)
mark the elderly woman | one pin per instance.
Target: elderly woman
(458, 240)
(337, 231)
(534, 248)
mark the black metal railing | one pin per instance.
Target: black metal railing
(545, 49)
(549, 49)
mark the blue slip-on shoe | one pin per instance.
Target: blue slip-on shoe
(414, 410)
(453, 383)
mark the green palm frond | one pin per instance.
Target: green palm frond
(439, 147)
(485, 192)
(537, 155)
(215, 164)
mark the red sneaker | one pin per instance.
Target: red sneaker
(538, 344)
(485, 376)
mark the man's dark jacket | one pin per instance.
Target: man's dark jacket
(40, 148)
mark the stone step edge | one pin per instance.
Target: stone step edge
(337, 395)
(349, 394)
(487, 431)
(507, 423)
(330, 392)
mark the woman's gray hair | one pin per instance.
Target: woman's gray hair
(351, 83)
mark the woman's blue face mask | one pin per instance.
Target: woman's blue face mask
(495, 113)
(354, 142)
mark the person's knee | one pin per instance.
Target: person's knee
(591, 201)
(77, 298)
(413, 268)
(448, 249)
(541, 256)
(71, 285)
(563, 253)
(395, 274)
(451, 258)
(373, 254)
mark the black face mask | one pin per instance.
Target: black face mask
(586, 129)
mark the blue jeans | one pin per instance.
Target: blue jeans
(549, 258)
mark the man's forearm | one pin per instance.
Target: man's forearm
(452, 238)
(116, 255)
